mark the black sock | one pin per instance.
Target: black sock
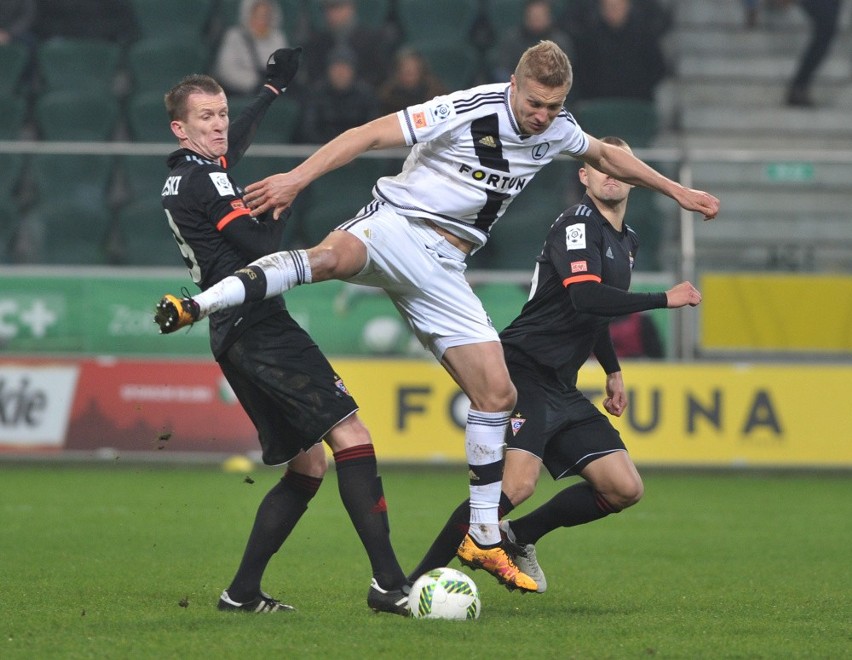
(443, 548)
(276, 517)
(576, 505)
(362, 495)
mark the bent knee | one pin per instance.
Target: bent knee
(518, 491)
(312, 463)
(349, 432)
(498, 399)
(626, 494)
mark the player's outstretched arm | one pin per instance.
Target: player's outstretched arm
(279, 190)
(683, 294)
(623, 165)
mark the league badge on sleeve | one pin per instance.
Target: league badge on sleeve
(223, 185)
(575, 237)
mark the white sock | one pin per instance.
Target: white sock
(283, 271)
(484, 446)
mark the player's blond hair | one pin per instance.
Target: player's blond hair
(197, 83)
(547, 64)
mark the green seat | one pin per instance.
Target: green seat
(79, 116)
(82, 180)
(78, 64)
(507, 14)
(452, 60)
(171, 19)
(337, 196)
(145, 236)
(278, 125)
(156, 64)
(147, 118)
(143, 176)
(10, 213)
(13, 167)
(13, 61)
(436, 20)
(71, 233)
(633, 120)
(13, 113)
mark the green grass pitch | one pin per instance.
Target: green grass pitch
(127, 561)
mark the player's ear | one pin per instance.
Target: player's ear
(177, 129)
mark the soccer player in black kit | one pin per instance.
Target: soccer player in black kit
(580, 283)
(283, 381)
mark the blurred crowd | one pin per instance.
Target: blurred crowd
(358, 62)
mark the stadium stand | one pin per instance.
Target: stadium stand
(280, 123)
(13, 62)
(82, 180)
(89, 65)
(146, 117)
(142, 176)
(8, 228)
(157, 63)
(634, 120)
(70, 232)
(338, 195)
(437, 21)
(505, 14)
(13, 168)
(144, 235)
(76, 115)
(13, 114)
(454, 62)
(173, 20)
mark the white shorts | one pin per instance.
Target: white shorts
(423, 274)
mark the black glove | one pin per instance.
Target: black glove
(281, 67)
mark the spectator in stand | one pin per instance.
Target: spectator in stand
(823, 16)
(372, 48)
(538, 25)
(113, 20)
(636, 336)
(16, 27)
(241, 60)
(411, 82)
(751, 8)
(337, 102)
(16, 21)
(618, 51)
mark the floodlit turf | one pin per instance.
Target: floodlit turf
(127, 561)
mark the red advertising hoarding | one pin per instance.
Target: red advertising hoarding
(126, 405)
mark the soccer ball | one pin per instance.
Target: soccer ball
(444, 593)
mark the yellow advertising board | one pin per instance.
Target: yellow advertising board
(773, 313)
(693, 415)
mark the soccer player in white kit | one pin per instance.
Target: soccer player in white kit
(472, 152)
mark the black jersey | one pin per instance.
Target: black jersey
(581, 248)
(214, 228)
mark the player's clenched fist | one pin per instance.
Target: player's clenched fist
(683, 294)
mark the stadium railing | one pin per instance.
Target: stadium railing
(782, 211)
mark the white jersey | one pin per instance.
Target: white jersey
(469, 159)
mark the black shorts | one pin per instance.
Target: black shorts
(286, 386)
(554, 421)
